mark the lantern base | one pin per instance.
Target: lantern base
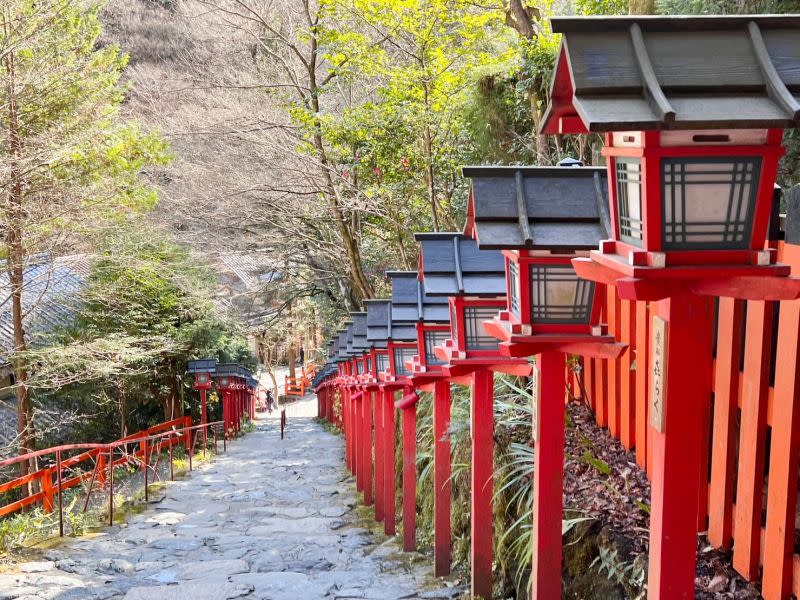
(516, 345)
(636, 282)
(458, 363)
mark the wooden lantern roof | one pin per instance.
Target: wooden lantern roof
(228, 370)
(332, 349)
(360, 343)
(560, 209)
(452, 265)
(349, 338)
(647, 73)
(379, 322)
(342, 354)
(412, 304)
(203, 365)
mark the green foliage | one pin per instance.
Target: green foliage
(726, 7)
(602, 7)
(632, 575)
(79, 160)
(147, 309)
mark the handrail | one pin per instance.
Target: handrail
(169, 433)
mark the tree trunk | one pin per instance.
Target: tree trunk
(429, 179)
(16, 264)
(292, 358)
(123, 410)
(524, 20)
(359, 280)
(642, 7)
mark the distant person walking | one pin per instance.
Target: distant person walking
(302, 356)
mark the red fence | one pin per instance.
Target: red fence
(749, 474)
(96, 463)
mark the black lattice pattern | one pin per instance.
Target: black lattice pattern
(476, 337)
(433, 339)
(401, 355)
(708, 202)
(559, 296)
(629, 200)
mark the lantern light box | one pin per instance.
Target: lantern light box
(692, 146)
(227, 375)
(202, 369)
(541, 218)
(474, 282)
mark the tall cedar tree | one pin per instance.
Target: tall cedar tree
(68, 163)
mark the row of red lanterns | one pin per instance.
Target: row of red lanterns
(678, 216)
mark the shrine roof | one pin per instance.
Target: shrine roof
(452, 265)
(684, 72)
(411, 303)
(379, 321)
(360, 343)
(551, 208)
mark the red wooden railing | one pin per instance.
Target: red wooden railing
(101, 460)
(752, 432)
(294, 386)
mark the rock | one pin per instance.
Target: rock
(212, 569)
(37, 566)
(283, 585)
(189, 591)
(177, 544)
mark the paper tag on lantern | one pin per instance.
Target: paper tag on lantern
(535, 398)
(658, 374)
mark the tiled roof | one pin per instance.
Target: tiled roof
(49, 297)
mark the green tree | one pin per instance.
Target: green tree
(147, 308)
(68, 162)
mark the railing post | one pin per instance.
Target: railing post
(46, 479)
(191, 450)
(145, 463)
(60, 495)
(782, 489)
(410, 478)
(171, 466)
(366, 448)
(111, 486)
(685, 332)
(389, 474)
(203, 417)
(548, 483)
(379, 461)
(101, 468)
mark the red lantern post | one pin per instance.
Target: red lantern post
(542, 217)
(452, 266)
(203, 370)
(692, 152)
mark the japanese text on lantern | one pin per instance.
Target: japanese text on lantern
(658, 370)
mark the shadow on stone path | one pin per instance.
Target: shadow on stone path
(268, 520)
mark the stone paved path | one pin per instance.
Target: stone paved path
(268, 520)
